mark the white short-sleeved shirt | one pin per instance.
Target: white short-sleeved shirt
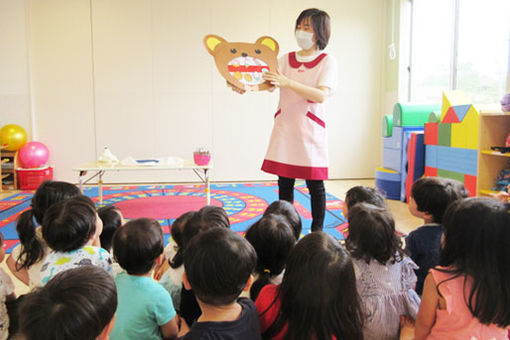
(34, 272)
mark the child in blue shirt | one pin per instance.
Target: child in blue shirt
(430, 196)
(145, 309)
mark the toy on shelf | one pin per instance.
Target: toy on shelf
(505, 103)
(503, 181)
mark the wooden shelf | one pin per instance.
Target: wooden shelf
(494, 128)
(9, 164)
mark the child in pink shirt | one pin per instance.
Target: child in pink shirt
(468, 295)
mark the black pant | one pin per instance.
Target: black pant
(317, 197)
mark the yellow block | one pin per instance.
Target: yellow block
(465, 135)
(453, 98)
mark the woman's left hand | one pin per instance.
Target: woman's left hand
(277, 79)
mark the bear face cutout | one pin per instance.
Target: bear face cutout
(243, 64)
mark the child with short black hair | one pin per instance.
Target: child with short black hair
(361, 193)
(468, 295)
(384, 274)
(208, 217)
(70, 227)
(287, 210)
(273, 239)
(112, 218)
(26, 259)
(145, 309)
(77, 304)
(218, 265)
(6, 294)
(430, 196)
(317, 298)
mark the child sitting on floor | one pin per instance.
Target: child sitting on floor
(26, 259)
(112, 218)
(317, 298)
(287, 210)
(145, 308)
(171, 279)
(361, 193)
(273, 239)
(218, 265)
(384, 274)
(70, 228)
(76, 304)
(208, 217)
(468, 295)
(430, 196)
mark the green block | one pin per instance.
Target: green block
(435, 117)
(413, 114)
(450, 174)
(387, 126)
(444, 134)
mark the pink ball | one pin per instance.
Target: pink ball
(33, 155)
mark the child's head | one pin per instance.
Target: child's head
(477, 243)
(137, 245)
(315, 21)
(218, 264)
(177, 231)
(430, 196)
(112, 218)
(48, 193)
(273, 239)
(318, 293)
(287, 210)
(78, 303)
(71, 224)
(364, 194)
(372, 234)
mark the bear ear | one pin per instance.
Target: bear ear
(269, 42)
(211, 41)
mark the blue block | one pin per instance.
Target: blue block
(392, 159)
(389, 186)
(403, 166)
(460, 160)
(431, 155)
(395, 141)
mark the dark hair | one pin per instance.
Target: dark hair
(433, 195)
(176, 231)
(137, 245)
(110, 215)
(321, 25)
(48, 193)
(476, 243)
(218, 263)
(273, 239)
(208, 217)
(287, 210)
(372, 235)
(69, 224)
(76, 304)
(364, 194)
(318, 296)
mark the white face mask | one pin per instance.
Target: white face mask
(304, 39)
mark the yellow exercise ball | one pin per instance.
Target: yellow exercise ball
(12, 137)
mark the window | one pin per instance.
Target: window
(459, 44)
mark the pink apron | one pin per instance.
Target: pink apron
(298, 146)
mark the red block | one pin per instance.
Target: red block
(450, 117)
(470, 184)
(431, 133)
(430, 172)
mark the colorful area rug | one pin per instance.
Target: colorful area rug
(244, 204)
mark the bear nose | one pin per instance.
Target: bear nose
(244, 54)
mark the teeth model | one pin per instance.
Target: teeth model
(248, 70)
